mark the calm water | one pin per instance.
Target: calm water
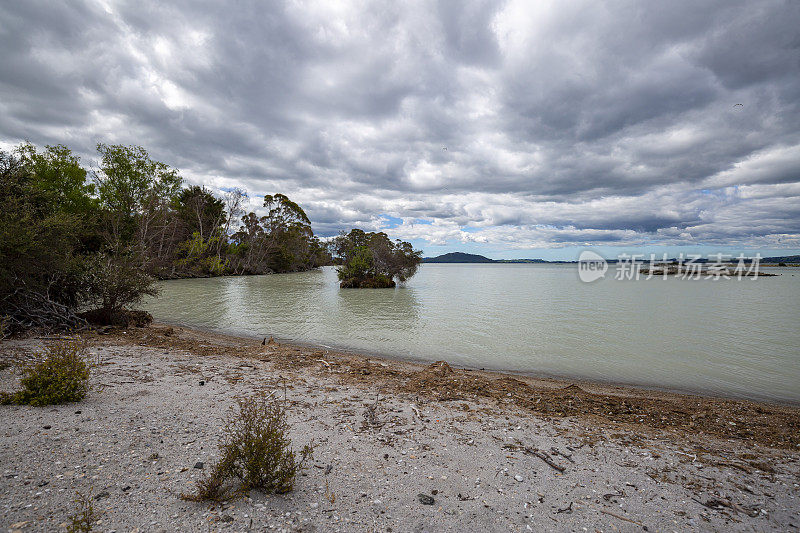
(729, 337)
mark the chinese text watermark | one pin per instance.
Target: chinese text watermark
(592, 266)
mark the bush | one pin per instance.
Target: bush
(116, 281)
(256, 454)
(85, 516)
(61, 377)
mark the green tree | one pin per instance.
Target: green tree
(280, 241)
(58, 174)
(115, 281)
(197, 256)
(372, 260)
(135, 192)
(199, 210)
(41, 261)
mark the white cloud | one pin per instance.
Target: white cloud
(512, 124)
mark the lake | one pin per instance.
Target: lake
(733, 337)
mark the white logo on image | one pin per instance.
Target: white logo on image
(591, 266)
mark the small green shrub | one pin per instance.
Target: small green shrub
(256, 453)
(61, 377)
(85, 516)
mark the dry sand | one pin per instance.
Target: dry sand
(487, 447)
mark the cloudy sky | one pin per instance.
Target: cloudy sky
(513, 129)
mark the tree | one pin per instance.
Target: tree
(41, 248)
(197, 256)
(199, 210)
(67, 243)
(372, 260)
(136, 193)
(58, 174)
(56, 254)
(233, 200)
(280, 241)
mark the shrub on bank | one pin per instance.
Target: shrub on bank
(61, 377)
(256, 453)
(123, 318)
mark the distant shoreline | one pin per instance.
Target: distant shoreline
(465, 258)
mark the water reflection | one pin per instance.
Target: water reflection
(728, 337)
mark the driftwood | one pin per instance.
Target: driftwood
(25, 309)
(371, 413)
(544, 457)
(566, 456)
(717, 504)
(532, 451)
(565, 510)
(626, 519)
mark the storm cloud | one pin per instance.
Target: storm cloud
(513, 124)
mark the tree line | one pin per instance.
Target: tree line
(78, 244)
(73, 239)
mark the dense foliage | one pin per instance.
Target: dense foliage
(372, 260)
(72, 239)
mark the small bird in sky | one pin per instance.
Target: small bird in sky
(444, 148)
(734, 105)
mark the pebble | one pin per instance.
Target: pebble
(519, 478)
(199, 465)
(425, 499)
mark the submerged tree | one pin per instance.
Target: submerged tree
(372, 260)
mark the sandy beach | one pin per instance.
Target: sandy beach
(487, 451)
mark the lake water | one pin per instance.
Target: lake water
(725, 337)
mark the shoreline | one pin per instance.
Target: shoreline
(617, 403)
(602, 384)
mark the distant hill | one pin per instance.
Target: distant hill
(461, 257)
(457, 257)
